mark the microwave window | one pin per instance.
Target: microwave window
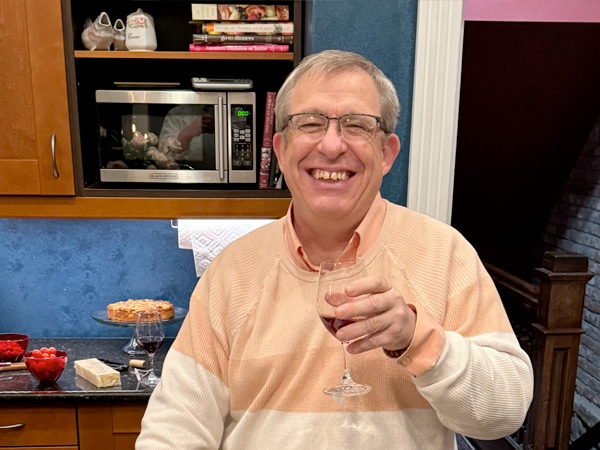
(156, 136)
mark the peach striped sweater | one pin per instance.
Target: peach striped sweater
(249, 364)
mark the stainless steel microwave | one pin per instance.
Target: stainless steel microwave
(176, 136)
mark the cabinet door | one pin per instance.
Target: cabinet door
(109, 426)
(35, 144)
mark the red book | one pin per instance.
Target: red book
(240, 48)
(267, 142)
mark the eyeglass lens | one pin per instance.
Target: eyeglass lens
(352, 126)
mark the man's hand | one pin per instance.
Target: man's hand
(200, 125)
(388, 321)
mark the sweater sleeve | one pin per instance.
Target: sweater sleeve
(471, 368)
(480, 386)
(188, 407)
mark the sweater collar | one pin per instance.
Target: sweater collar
(363, 238)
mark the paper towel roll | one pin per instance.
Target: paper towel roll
(207, 237)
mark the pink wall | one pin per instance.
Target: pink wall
(533, 10)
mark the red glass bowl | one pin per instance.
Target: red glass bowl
(13, 346)
(46, 370)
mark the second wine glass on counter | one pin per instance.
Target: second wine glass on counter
(149, 334)
(333, 278)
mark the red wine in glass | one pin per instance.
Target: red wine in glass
(333, 324)
(149, 334)
(150, 345)
(333, 278)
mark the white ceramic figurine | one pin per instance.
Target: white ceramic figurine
(97, 35)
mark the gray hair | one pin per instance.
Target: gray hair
(328, 62)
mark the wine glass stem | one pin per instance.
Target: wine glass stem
(151, 375)
(346, 378)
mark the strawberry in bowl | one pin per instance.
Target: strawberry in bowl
(46, 364)
(12, 346)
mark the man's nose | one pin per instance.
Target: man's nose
(333, 143)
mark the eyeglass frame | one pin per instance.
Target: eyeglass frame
(378, 120)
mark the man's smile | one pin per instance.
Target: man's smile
(326, 175)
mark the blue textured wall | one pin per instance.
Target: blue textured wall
(383, 31)
(55, 273)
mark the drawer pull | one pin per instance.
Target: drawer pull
(53, 148)
(16, 426)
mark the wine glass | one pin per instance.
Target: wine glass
(149, 334)
(333, 277)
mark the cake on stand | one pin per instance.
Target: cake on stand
(132, 347)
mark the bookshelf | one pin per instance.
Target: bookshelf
(184, 55)
(172, 21)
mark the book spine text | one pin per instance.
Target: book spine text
(240, 48)
(267, 142)
(254, 27)
(241, 39)
(213, 11)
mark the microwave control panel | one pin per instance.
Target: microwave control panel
(242, 139)
(242, 155)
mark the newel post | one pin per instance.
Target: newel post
(562, 280)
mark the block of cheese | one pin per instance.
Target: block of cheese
(97, 373)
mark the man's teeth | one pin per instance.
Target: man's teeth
(331, 176)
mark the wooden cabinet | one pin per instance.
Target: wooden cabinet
(41, 39)
(109, 426)
(35, 150)
(36, 425)
(87, 425)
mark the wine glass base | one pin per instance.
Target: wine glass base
(348, 390)
(146, 377)
(132, 348)
(150, 383)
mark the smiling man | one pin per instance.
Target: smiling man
(333, 178)
(248, 368)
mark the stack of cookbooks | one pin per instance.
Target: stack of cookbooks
(270, 176)
(241, 28)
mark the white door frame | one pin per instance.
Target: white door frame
(436, 92)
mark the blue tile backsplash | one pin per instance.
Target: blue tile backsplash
(55, 273)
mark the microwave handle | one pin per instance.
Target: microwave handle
(221, 138)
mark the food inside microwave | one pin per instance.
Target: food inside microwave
(157, 137)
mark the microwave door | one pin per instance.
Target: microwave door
(162, 136)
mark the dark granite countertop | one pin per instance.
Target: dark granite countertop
(20, 384)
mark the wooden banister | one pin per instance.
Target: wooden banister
(557, 331)
(546, 316)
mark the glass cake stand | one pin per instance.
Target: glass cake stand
(132, 347)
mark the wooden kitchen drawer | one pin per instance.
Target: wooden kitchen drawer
(127, 417)
(109, 426)
(38, 425)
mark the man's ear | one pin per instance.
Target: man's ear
(391, 149)
(279, 147)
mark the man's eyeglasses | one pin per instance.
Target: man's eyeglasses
(352, 127)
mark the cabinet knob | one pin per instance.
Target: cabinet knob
(53, 148)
